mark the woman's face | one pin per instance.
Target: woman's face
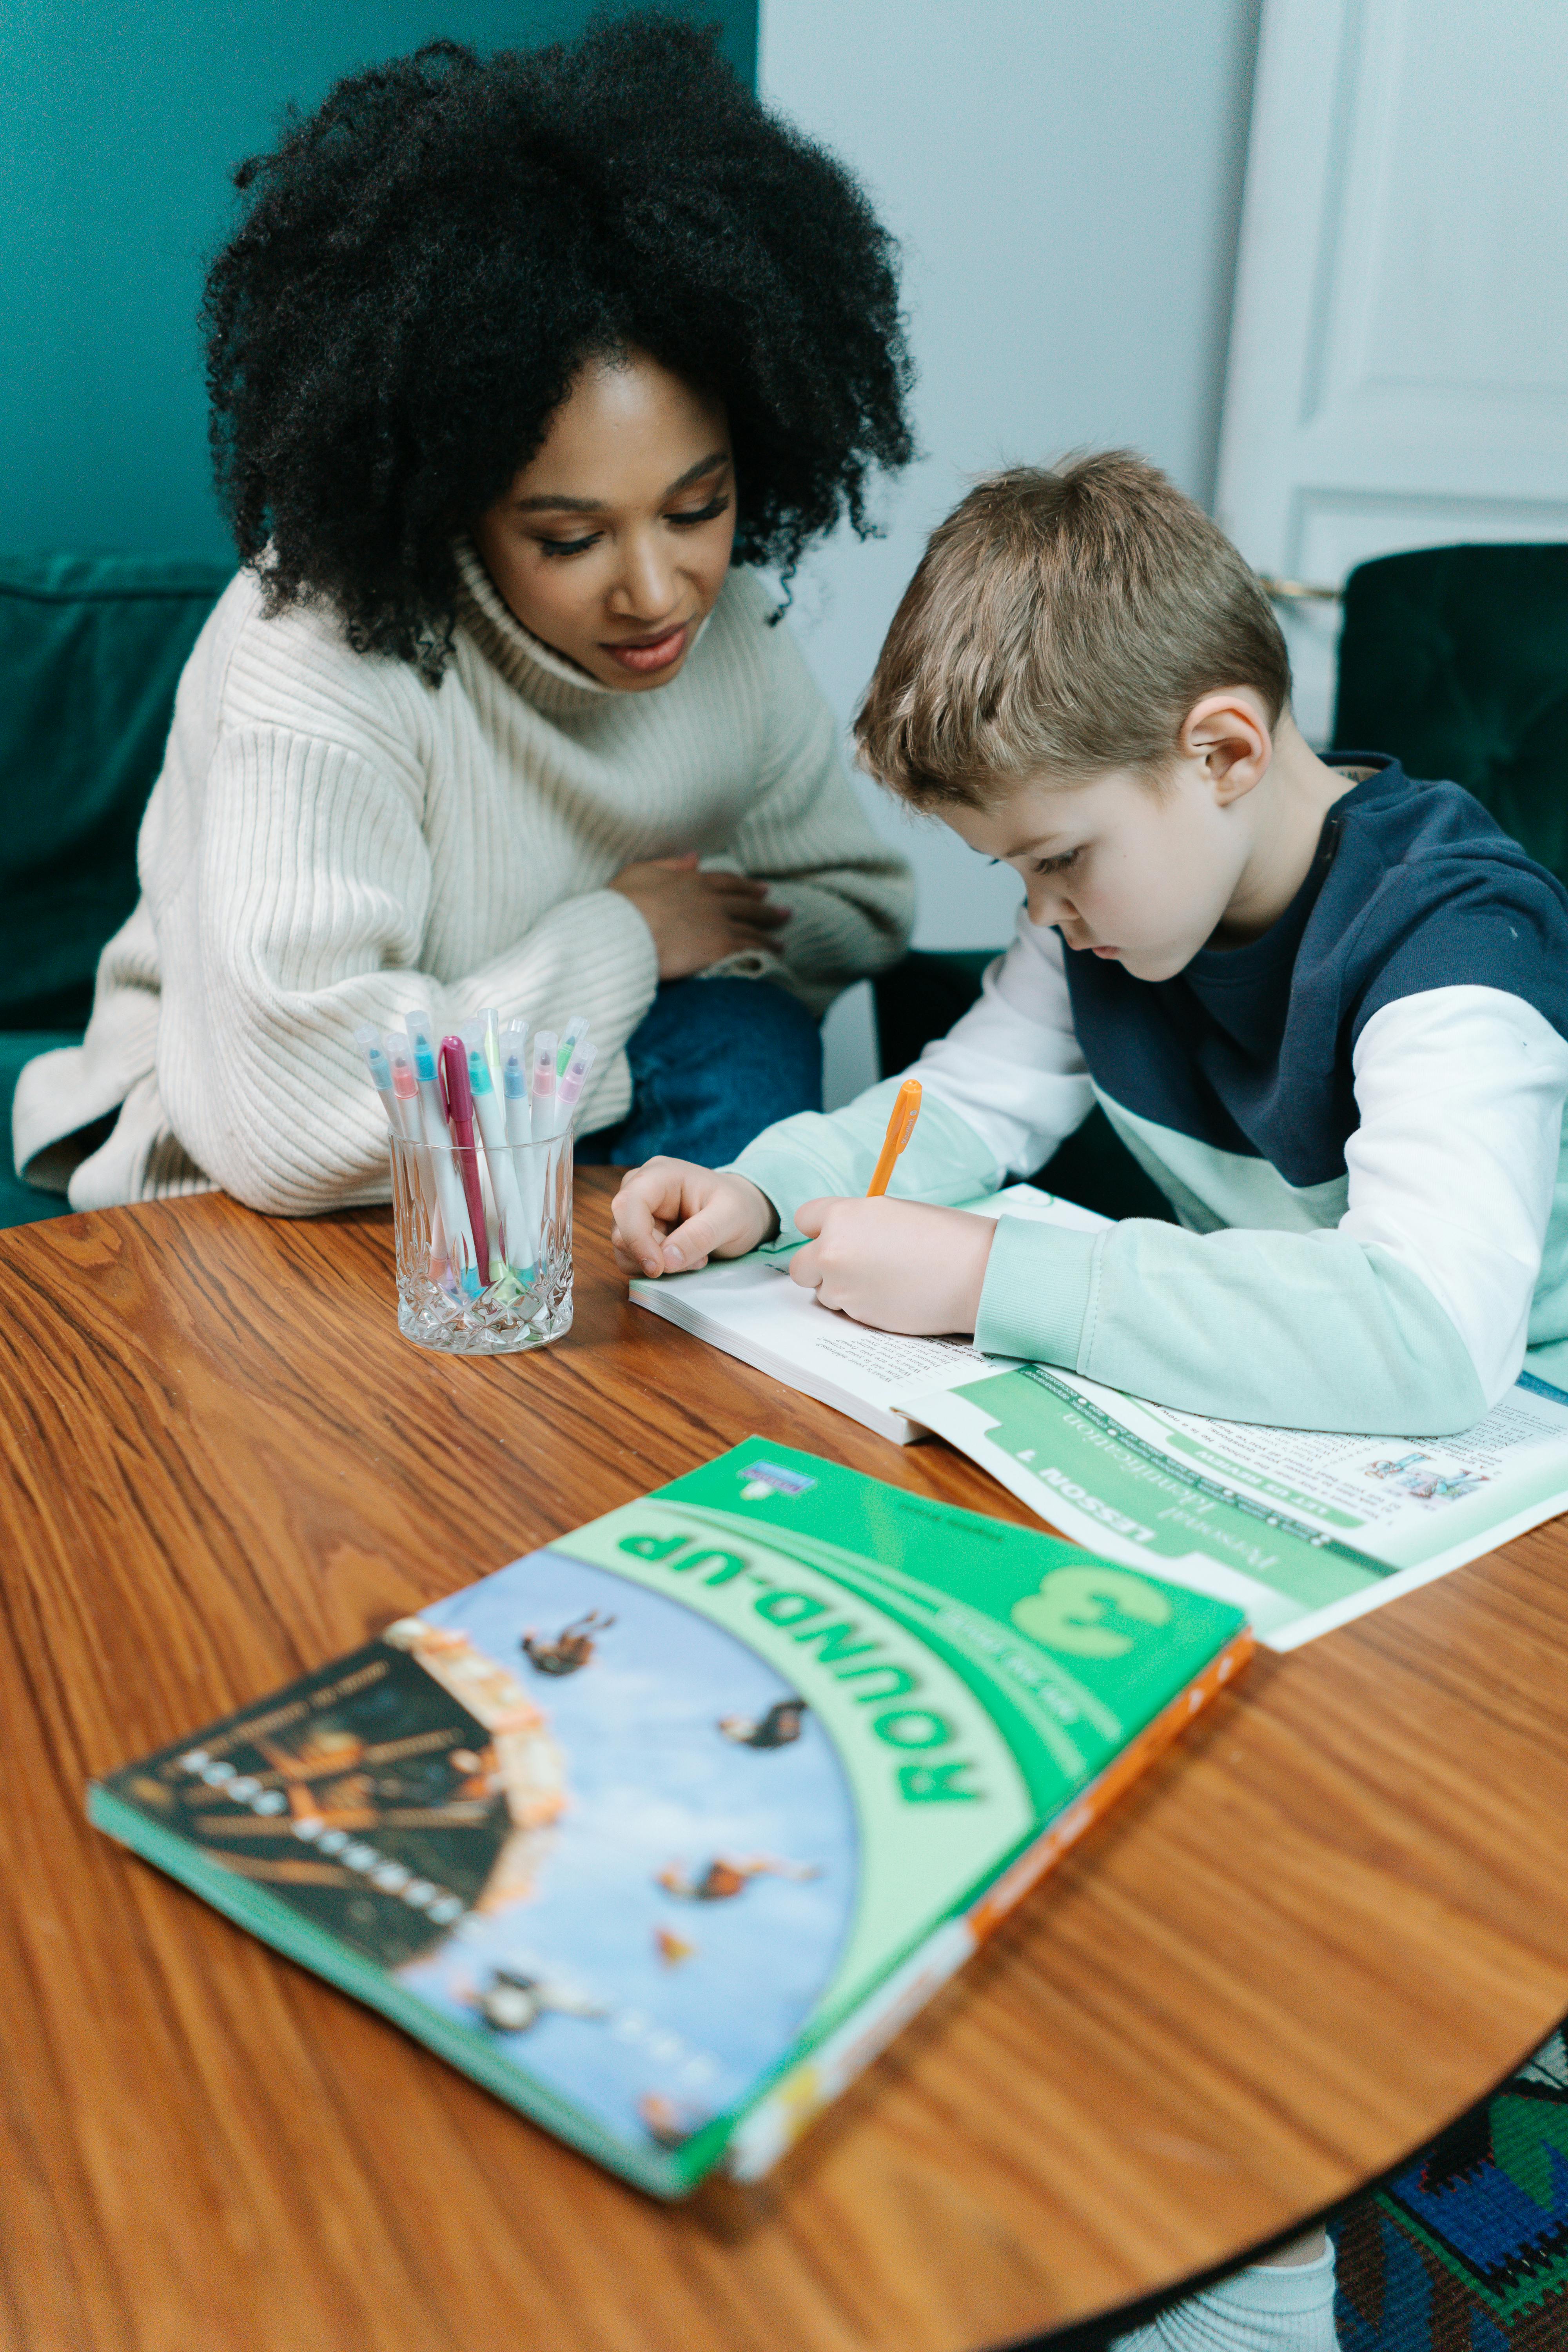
(612, 543)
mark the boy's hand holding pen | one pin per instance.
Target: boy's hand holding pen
(671, 1216)
(901, 1265)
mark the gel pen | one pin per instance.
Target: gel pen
(449, 1192)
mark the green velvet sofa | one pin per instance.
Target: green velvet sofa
(1456, 658)
(92, 647)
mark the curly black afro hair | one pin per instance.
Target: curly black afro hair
(426, 262)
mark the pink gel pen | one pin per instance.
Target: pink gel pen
(460, 1111)
(542, 1086)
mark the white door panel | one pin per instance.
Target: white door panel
(1398, 371)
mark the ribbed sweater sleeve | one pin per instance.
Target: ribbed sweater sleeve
(312, 901)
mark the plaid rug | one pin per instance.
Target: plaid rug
(1467, 2249)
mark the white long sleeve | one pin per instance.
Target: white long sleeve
(1011, 1065)
(1454, 1167)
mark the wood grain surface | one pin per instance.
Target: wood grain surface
(1330, 1921)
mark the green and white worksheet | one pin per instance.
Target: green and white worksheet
(1304, 1528)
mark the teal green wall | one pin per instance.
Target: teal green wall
(121, 122)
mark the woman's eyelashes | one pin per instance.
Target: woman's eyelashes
(710, 513)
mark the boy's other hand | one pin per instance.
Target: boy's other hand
(671, 1216)
(697, 920)
(901, 1265)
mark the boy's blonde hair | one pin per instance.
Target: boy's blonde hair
(1062, 623)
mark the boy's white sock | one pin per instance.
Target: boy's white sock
(1270, 2307)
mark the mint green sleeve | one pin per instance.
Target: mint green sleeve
(813, 1154)
(1300, 1330)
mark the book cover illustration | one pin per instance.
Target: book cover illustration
(647, 1830)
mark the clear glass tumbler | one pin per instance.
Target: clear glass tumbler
(515, 1290)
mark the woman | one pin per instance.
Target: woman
(516, 364)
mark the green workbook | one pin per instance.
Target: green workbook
(663, 1831)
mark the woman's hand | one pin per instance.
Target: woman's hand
(901, 1265)
(671, 1216)
(697, 920)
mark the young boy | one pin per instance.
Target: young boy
(1324, 1005)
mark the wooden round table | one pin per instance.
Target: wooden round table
(1328, 1922)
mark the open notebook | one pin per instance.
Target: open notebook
(1302, 1529)
(752, 1309)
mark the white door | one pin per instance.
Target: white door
(1398, 372)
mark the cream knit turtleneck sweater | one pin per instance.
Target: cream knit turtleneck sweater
(332, 841)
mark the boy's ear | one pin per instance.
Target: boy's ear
(1227, 734)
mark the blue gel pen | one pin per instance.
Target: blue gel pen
(516, 1238)
(514, 1084)
(367, 1038)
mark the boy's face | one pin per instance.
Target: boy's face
(1134, 872)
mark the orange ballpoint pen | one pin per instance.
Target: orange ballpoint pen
(900, 1127)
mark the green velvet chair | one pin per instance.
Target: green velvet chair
(92, 647)
(1455, 659)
